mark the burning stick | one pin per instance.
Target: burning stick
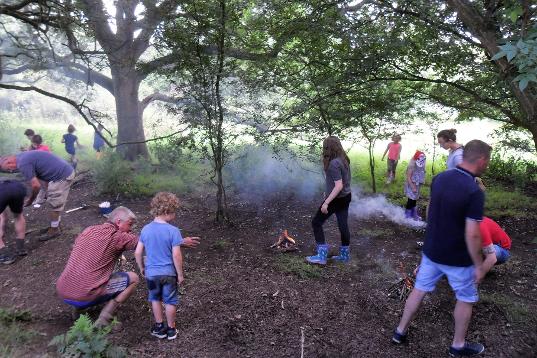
(402, 288)
(285, 243)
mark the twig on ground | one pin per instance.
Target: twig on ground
(301, 341)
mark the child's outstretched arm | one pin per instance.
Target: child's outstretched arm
(399, 152)
(178, 263)
(138, 254)
(386, 151)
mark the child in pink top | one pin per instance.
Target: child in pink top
(394, 152)
(37, 144)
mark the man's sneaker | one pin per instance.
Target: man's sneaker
(6, 257)
(469, 349)
(21, 252)
(171, 333)
(398, 338)
(159, 330)
(52, 233)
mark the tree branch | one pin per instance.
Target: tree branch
(79, 107)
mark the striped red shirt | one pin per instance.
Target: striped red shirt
(92, 261)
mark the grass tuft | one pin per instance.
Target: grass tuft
(296, 265)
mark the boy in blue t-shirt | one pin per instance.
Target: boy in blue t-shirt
(163, 267)
(70, 139)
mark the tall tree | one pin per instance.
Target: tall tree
(450, 52)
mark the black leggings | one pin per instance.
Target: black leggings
(340, 207)
(410, 204)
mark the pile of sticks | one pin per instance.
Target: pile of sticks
(285, 243)
(402, 288)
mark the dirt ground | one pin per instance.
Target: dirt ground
(243, 300)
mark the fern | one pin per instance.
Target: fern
(85, 340)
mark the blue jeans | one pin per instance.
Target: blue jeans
(502, 255)
(163, 289)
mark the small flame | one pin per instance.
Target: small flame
(286, 235)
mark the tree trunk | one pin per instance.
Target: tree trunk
(434, 153)
(130, 125)
(372, 167)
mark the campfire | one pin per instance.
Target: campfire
(285, 243)
(402, 288)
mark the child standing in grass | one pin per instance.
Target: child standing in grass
(415, 177)
(98, 141)
(163, 268)
(70, 139)
(394, 152)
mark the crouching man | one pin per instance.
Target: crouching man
(496, 243)
(88, 278)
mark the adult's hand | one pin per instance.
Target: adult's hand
(324, 208)
(191, 242)
(479, 274)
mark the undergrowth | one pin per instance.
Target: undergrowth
(85, 340)
(296, 265)
(13, 335)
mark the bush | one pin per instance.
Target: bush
(85, 340)
(511, 170)
(114, 175)
(168, 153)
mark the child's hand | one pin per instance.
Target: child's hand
(180, 279)
(191, 241)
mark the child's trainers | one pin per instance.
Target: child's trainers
(159, 330)
(469, 349)
(398, 338)
(171, 333)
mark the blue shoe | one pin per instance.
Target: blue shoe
(408, 213)
(469, 349)
(398, 338)
(344, 254)
(320, 258)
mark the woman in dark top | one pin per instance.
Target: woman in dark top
(338, 197)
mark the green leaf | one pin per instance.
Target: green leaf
(523, 83)
(515, 13)
(498, 55)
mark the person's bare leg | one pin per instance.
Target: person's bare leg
(108, 310)
(156, 306)
(170, 315)
(54, 216)
(20, 226)
(412, 304)
(133, 282)
(462, 315)
(2, 229)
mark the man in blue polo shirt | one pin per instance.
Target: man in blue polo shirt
(37, 165)
(453, 245)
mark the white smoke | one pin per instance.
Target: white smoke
(363, 206)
